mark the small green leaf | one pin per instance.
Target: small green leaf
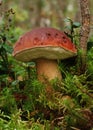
(76, 24)
(68, 27)
(67, 20)
(14, 83)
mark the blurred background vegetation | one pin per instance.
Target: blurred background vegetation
(34, 13)
(23, 102)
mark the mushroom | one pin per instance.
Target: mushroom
(45, 46)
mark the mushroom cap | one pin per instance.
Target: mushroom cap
(44, 42)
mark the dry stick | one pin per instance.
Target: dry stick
(84, 32)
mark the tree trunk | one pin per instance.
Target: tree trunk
(84, 33)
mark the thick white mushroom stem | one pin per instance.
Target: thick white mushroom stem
(47, 70)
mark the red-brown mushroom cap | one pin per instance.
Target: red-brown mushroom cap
(45, 42)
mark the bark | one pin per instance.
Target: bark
(84, 32)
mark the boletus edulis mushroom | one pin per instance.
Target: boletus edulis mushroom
(45, 46)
